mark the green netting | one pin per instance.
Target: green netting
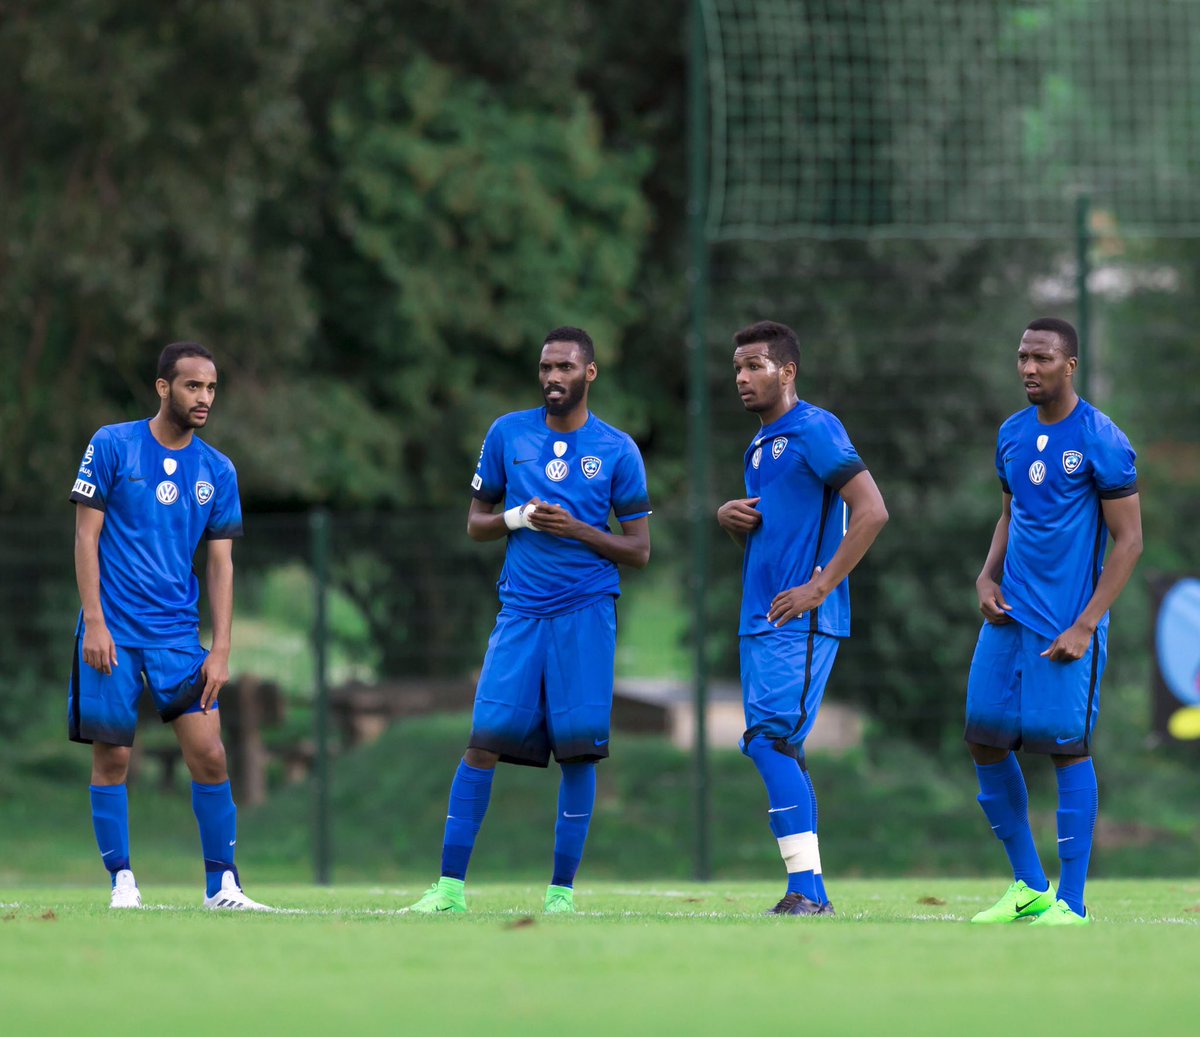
(919, 118)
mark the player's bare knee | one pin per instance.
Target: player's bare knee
(481, 759)
(986, 755)
(206, 762)
(110, 764)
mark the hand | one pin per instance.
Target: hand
(215, 674)
(739, 517)
(1071, 645)
(555, 520)
(99, 652)
(991, 602)
(794, 602)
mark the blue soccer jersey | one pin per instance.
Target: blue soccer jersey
(797, 465)
(157, 504)
(1058, 475)
(590, 472)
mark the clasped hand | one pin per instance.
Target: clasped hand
(553, 519)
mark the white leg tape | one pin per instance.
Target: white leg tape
(800, 852)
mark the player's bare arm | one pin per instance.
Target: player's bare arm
(868, 515)
(219, 582)
(484, 523)
(739, 518)
(1124, 520)
(631, 548)
(99, 651)
(992, 605)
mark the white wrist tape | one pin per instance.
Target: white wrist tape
(800, 852)
(518, 518)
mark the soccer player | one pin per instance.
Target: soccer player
(811, 513)
(1067, 481)
(547, 678)
(145, 494)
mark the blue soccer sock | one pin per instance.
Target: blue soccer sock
(216, 816)
(1005, 803)
(790, 815)
(1078, 803)
(110, 819)
(576, 799)
(469, 795)
(820, 882)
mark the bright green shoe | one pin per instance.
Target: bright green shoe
(1018, 902)
(445, 895)
(1060, 913)
(560, 900)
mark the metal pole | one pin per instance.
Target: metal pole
(1083, 267)
(699, 519)
(322, 843)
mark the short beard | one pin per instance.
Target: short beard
(570, 400)
(181, 416)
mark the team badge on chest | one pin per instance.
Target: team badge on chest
(1072, 459)
(778, 446)
(557, 470)
(590, 466)
(204, 492)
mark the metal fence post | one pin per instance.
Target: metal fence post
(322, 843)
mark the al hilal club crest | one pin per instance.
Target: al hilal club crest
(204, 492)
(778, 446)
(1072, 459)
(590, 466)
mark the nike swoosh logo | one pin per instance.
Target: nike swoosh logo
(232, 842)
(524, 460)
(1066, 838)
(1022, 907)
(108, 853)
(565, 814)
(780, 810)
(599, 741)
(137, 478)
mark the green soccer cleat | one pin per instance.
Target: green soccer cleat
(560, 900)
(1060, 913)
(1018, 902)
(444, 896)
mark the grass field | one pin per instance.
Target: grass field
(656, 958)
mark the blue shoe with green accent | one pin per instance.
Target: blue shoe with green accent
(1019, 901)
(560, 900)
(444, 896)
(1060, 913)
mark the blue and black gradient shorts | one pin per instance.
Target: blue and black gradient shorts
(103, 707)
(1017, 699)
(547, 686)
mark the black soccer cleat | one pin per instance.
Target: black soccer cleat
(827, 909)
(795, 904)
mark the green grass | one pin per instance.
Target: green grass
(654, 958)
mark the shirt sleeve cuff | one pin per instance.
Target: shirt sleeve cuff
(1123, 491)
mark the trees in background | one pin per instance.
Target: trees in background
(373, 210)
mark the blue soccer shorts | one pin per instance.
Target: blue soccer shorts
(1016, 699)
(104, 707)
(547, 685)
(783, 682)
